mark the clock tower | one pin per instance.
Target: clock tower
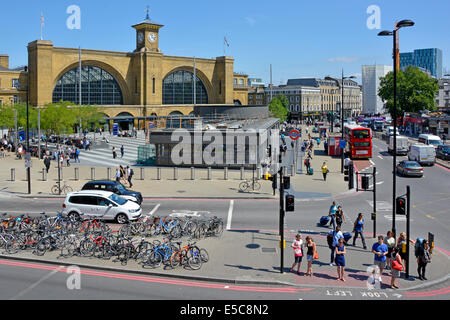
(147, 35)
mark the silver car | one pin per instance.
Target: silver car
(409, 168)
(103, 205)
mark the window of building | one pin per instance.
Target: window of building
(97, 87)
(15, 83)
(241, 81)
(178, 88)
(153, 85)
(15, 99)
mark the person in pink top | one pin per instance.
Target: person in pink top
(298, 252)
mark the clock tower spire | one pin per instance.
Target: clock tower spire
(147, 34)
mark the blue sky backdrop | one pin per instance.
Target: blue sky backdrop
(299, 38)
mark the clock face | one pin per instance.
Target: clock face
(140, 37)
(151, 37)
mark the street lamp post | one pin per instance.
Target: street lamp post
(342, 117)
(28, 135)
(394, 34)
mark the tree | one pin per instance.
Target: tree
(416, 91)
(278, 107)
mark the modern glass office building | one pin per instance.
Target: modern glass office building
(429, 59)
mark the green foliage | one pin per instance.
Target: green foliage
(278, 107)
(416, 91)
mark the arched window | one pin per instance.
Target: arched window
(178, 88)
(97, 87)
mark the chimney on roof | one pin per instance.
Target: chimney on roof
(4, 61)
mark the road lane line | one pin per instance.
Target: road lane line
(230, 214)
(380, 157)
(154, 209)
(34, 285)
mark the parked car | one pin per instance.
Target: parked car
(443, 152)
(409, 168)
(103, 205)
(114, 186)
(423, 154)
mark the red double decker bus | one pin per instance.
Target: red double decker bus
(359, 142)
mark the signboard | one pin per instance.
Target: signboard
(115, 129)
(28, 164)
(342, 144)
(22, 135)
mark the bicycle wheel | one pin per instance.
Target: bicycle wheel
(243, 186)
(195, 262)
(256, 186)
(40, 248)
(67, 189)
(175, 259)
(87, 247)
(154, 259)
(55, 189)
(175, 231)
(12, 245)
(204, 255)
(218, 228)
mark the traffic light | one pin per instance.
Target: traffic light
(350, 176)
(286, 182)
(269, 151)
(346, 172)
(290, 200)
(365, 182)
(400, 206)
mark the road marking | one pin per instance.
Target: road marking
(428, 216)
(23, 292)
(230, 213)
(380, 157)
(380, 182)
(370, 160)
(154, 209)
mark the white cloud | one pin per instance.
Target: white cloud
(344, 59)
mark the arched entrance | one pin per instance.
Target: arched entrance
(125, 120)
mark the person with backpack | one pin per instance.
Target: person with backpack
(298, 252)
(358, 229)
(333, 241)
(423, 258)
(130, 174)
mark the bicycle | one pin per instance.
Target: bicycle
(244, 186)
(56, 189)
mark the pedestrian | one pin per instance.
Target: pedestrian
(340, 259)
(122, 151)
(68, 159)
(77, 155)
(88, 144)
(340, 217)
(130, 174)
(396, 267)
(424, 257)
(333, 240)
(298, 252)
(358, 229)
(47, 163)
(390, 242)
(114, 153)
(380, 250)
(118, 175)
(308, 165)
(311, 254)
(324, 171)
(332, 214)
(123, 174)
(401, 246)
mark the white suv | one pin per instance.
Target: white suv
(102, 205)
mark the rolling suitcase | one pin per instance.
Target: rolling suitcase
(347, 236)
(311, 171)
(324, 220)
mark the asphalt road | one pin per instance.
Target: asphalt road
(430, 203)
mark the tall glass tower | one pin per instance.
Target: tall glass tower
(428, 59)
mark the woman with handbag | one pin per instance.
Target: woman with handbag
(311, 254)
(396, 267)
(298, 252)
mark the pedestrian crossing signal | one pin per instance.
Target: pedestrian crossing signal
(400, 207)
(290, 201)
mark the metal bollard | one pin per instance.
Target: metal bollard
(225, 173)
(92, 173)
(158, 173)
(142, 174)
(285, 171)
(108, 173)
(258, 173)
(77, 174)
(61, 173)
(13, 174)
(44, 175)
(292, 170)
(175, 173)
(242, 173)
(209, 173)
(192, 173)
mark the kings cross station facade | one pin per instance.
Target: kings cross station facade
(127, 85)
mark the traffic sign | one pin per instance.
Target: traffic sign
(28, 164)
(294, 134)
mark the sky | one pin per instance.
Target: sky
(299, 38)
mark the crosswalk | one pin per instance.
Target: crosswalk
(104, 156)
